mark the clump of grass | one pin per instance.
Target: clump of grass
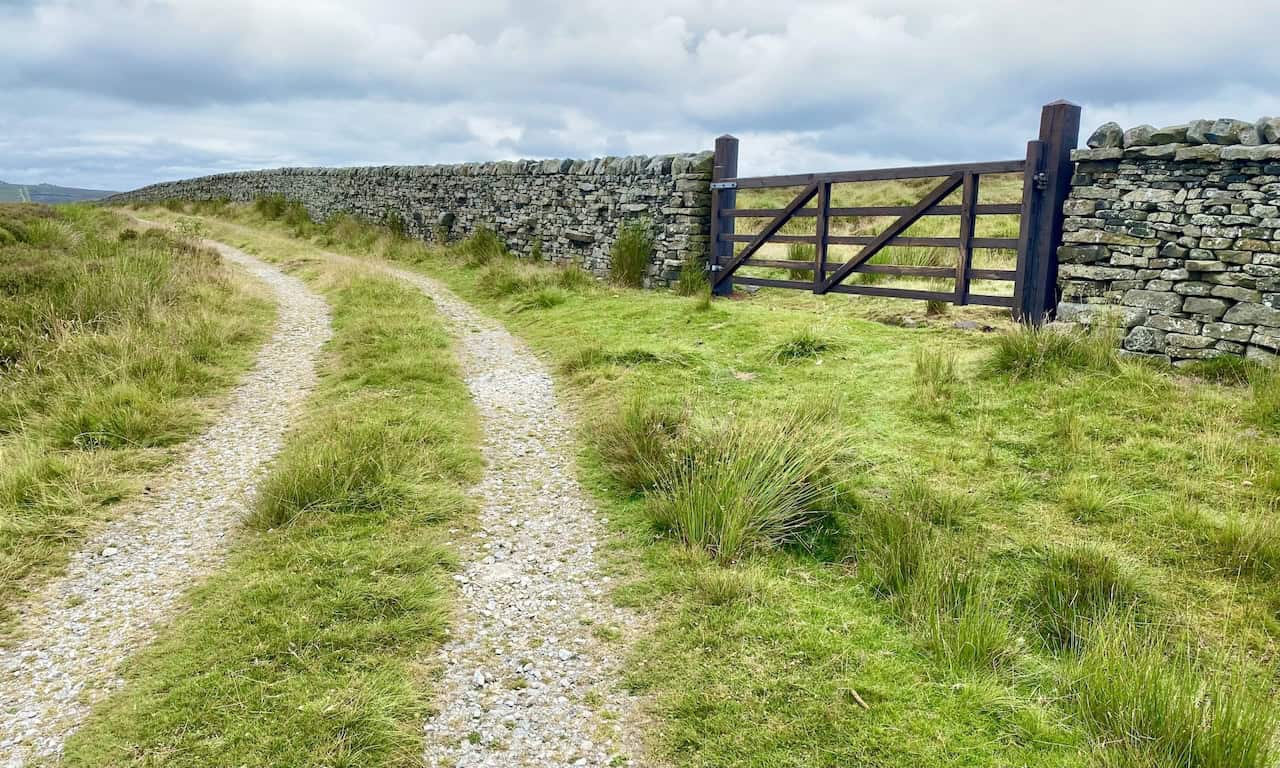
(936, 378)
(533, 286)
(632, 251)
(800, 345)
(394, 223)
(915, 497)
(1078, 587)
(693, 276)
(1030, 351)
(1224, 369)
(1264, 403)
(291, 212)
(895, 543)
(270, 207)
(958, 613)
(1092, 500)
(736, 486)
(483, 247)
(545, 297)
(639, 440)
(1146, 706)
(339, 471)
(727, 586)
(1249, 545)
(801, 252)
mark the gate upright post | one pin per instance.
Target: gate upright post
(1059, 134)
(725, 166)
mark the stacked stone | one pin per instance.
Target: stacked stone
(569, 211)
(1174, 234)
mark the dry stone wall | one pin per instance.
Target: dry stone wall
(566, 211)
(1174, 234)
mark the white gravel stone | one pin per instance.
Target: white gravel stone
(127, 580)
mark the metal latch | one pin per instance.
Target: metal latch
(724, 185)
(1041, 180)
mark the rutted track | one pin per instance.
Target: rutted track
(128, 579)
(527, 681)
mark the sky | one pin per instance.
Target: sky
(115, 94)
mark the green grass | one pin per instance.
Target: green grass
(632, 251)
(1145, 704)
(963, 537)
(1080, 586)
(306, 648)
(111, 346)
(731, 487)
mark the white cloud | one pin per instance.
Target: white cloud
(122, 92)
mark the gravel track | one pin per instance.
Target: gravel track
(527, 679)
(128, 580)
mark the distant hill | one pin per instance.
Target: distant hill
(47, 193)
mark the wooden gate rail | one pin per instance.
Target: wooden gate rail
(1046, 173)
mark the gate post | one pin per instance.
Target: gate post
(725, 166)
(1047, 184)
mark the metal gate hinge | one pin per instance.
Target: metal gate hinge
(724, 185)
(1041, 180)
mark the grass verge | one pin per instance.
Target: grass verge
(111, 345)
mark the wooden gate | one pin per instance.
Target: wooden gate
(1046, 178)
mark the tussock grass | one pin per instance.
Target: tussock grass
(736, 486)
(640, 439)
(719, 587)
(1264, 404)
(937, 380)
(693, 277)
(804, 344)
(1248, 545)
(1029, 351)
(632, 251)
(1090, 499)
(958, 613)
(541, 298)
(801, 252)
(1147, 705)
(109, 344)
(529, 285)
(1080, 586)
(915, 497)
(482, 247)
(895, 543)
(1225, 369)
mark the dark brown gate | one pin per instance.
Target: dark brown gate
(1046, 172)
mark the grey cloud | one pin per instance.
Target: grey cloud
(123, 92)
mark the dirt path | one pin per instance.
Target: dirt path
(128, 580)
(529, 674)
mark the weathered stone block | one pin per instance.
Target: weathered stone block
(1107, 135)
(1159, 301)
(1091, 272)
(1228, 331)
(1144, 339)
(1187, 341)
(1196, 305)
(1081, 254)
(1249, 313)
(1173, 324)
(1236, 293)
